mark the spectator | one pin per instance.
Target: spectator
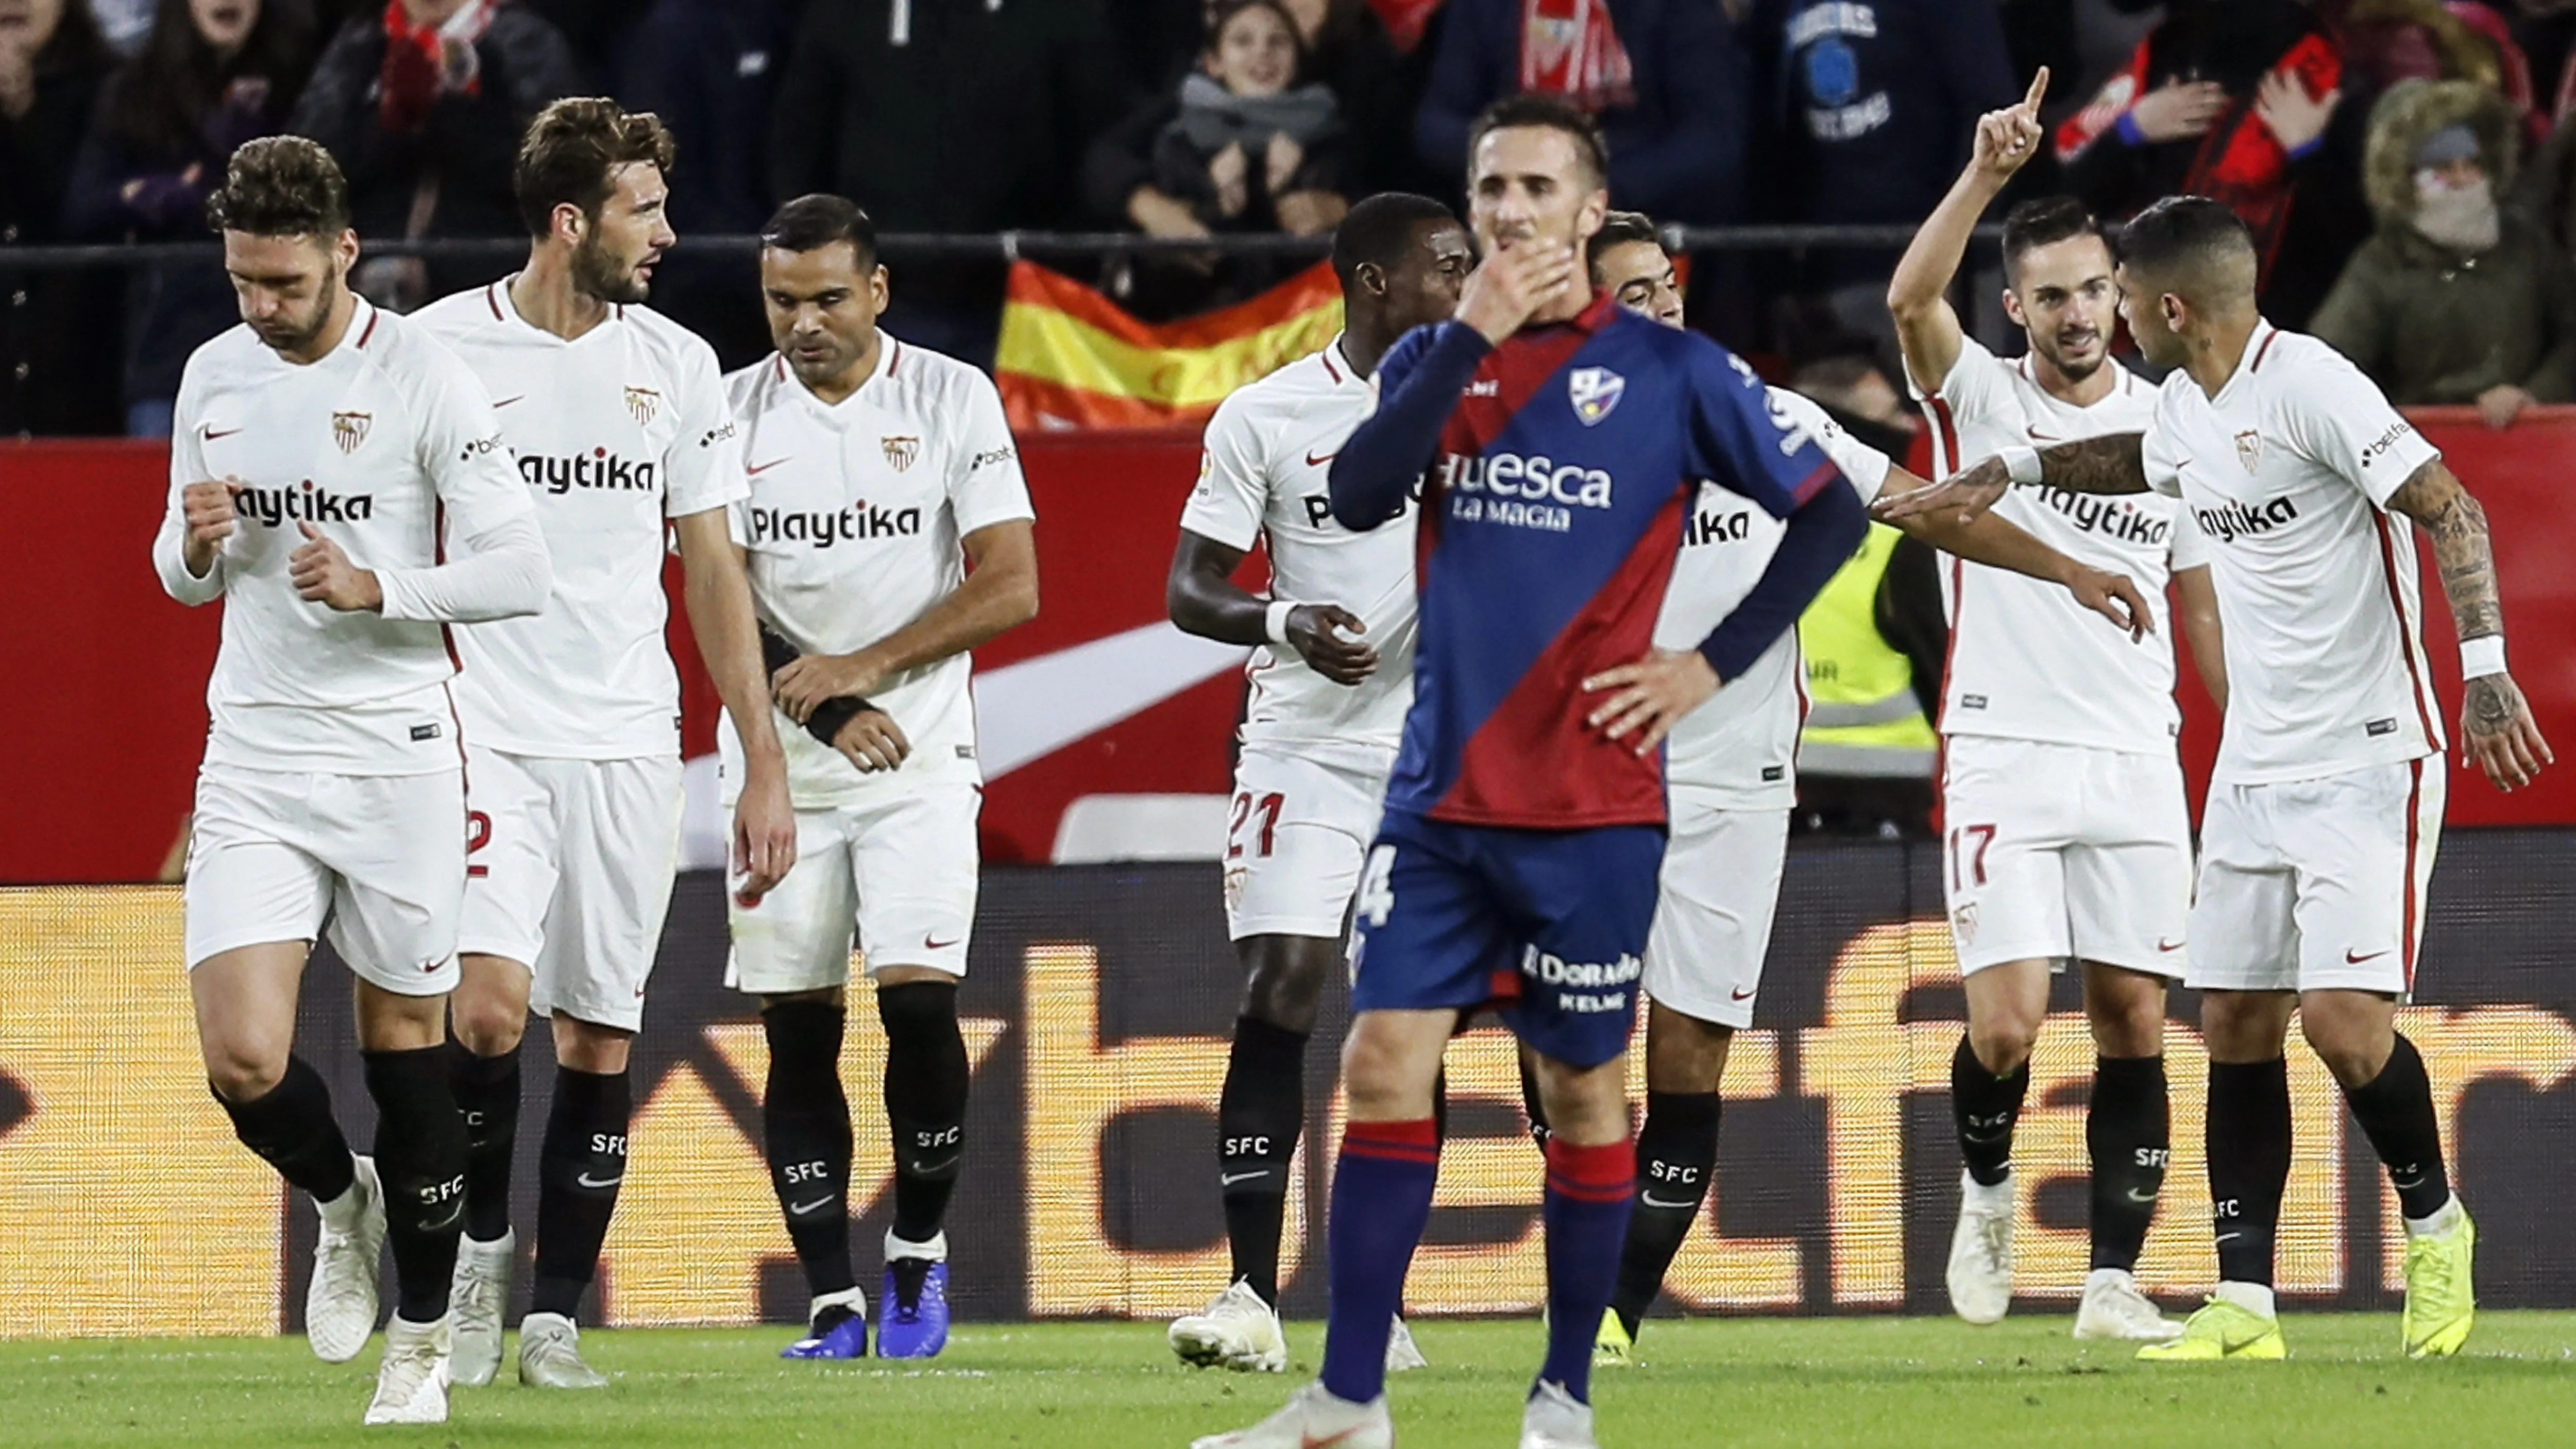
(57, 332)
(710, 70)
(956, 117)
(2233, 99)
(212, 74)
(2546, 191)
(1664, 76)
(424, 107)
(2454, 300)
(1347, 49)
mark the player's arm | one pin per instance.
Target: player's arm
(2112, 463)
(1998, 542)
(2196, 616)
(188, 550)
(2497, 732)
(861, 733)
(1000, 592)
(717, 594)
(503, 572)
(1917, 295)
(1205, 600)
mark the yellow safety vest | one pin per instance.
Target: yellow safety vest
(1862, 717)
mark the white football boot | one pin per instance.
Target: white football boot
(480, 1290)
(550, 1355)
(1313, 1420)
(1553, 1420)
(411, 1384)
(1402, 1355)
(340, 1304)
(1237, 1331)
(1981, 1252)
(2114, 1308)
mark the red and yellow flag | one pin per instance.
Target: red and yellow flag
(1070, 358)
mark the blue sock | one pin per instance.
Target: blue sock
(1586, 1213)
(1382, 1186)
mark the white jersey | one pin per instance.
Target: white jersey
(1739, 749)
(368, 445)
(2028, 662)
(615, 431)
(1268, 450)
(853, 525)
(2288, 471)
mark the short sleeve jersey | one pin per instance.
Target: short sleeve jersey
(1269, 448)
(370, 445)
(2288, 471)
(615, 431)
(2018, 643)
(853, 527)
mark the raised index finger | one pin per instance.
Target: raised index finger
(2038, 91)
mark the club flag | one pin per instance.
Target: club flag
(1071, 358)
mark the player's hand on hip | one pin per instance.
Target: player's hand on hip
(872, 741)
(322, 574)
(1963, 495)
(207, 509)
(814, 678)
(2498, 734)
(1513, 282)
(1316, 632)
(1649, 697)
(764, 836)
(2113, 596)
(2007, 139)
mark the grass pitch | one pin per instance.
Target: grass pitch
(1918, 1383)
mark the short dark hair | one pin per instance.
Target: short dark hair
(572, 151)
(1619, 229)
(813, 222)
(1381, 229)
(2192, 240)
(1553, 113)
(281, 186)
(2046, 221)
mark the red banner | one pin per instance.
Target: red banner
(1097, 696)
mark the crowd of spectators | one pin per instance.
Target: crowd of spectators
(2408, 165)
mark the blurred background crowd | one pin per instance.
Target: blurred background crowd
(2409, 165)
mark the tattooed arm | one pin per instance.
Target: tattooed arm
(2112, 463)
(2496, 729)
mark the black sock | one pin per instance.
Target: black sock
(579, 1167)
(487, 1094)
(1676, 1156)
(1258, 1118)
(291, 1127)
(420, 1157)
(1533, 1111)
(1985, 1107)
(2249, 1163)
(2395, 1110)
(925, 1101)
(805, 1119)
(2129, 1132)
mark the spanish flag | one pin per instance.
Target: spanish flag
(1069, 358)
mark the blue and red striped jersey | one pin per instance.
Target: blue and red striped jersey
(1552, 512)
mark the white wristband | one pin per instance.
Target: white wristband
(2482, 656)
(2021, 464)
(1274, 622)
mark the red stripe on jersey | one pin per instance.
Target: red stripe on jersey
(1517, 370)
(896, 360)
(2406, 633)
(1537, 731)
(1950, 647)
(1945, 437)
(373, 313)
(1825, 476)
(1326, 356)
(492, 295)
(2414, 805)
(2268, 339)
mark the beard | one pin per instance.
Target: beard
(300, 337)
(595, 273)
(2073, 371)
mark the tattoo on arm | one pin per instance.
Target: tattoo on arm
(2462, 549)
(2112, 463)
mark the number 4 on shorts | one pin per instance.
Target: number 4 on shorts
(1377, 891)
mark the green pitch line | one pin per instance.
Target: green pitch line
(1916, 1383)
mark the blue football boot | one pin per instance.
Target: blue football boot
(838, 1328)
(915, 1304)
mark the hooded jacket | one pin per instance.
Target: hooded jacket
(2432, 324)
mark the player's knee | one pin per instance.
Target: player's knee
(2353, 1047)
(488, 1024)
(1685, 1054)
(587, 1046)
(1286, 987)
(245, 1071)
(2003, 1041)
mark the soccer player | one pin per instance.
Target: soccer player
(2326, 803)
(1329, 691)
(323, 451)
(1554, 436)
(619, 422)
(1730, 767)
(2067, 835)
(889, 532)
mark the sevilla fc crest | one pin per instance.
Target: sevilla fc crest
(643, 402)
(1594, 391)
(348, 430)
(2249, 449)
(900, 450)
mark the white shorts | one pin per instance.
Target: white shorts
(1295, 836)
(1720, 883)
(570, 875)
(2058, 852)
(900, 872)
(2318, 884)
(273, 853)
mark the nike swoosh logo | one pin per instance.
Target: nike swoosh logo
(2039, 437)
(798, 1210)
(1309, 1441)
(213, 433)
(2144, 1197)
(2227, 1237)
(1650, 1200)
(1229, 1179)
(1741, 993)
(757, 469)
(502, 402)
(928, 944)
(586, 1180)
(2352, 960)
(443, 1224)
(938, 1167)
(1313, 461)
(2164, 945)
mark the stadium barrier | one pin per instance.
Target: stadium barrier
(1097, 1010)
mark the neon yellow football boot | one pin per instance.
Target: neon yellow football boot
(2221, 1330)
(1613, 1346)
(2441, 1301)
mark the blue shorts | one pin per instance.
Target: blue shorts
(1547, 925)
